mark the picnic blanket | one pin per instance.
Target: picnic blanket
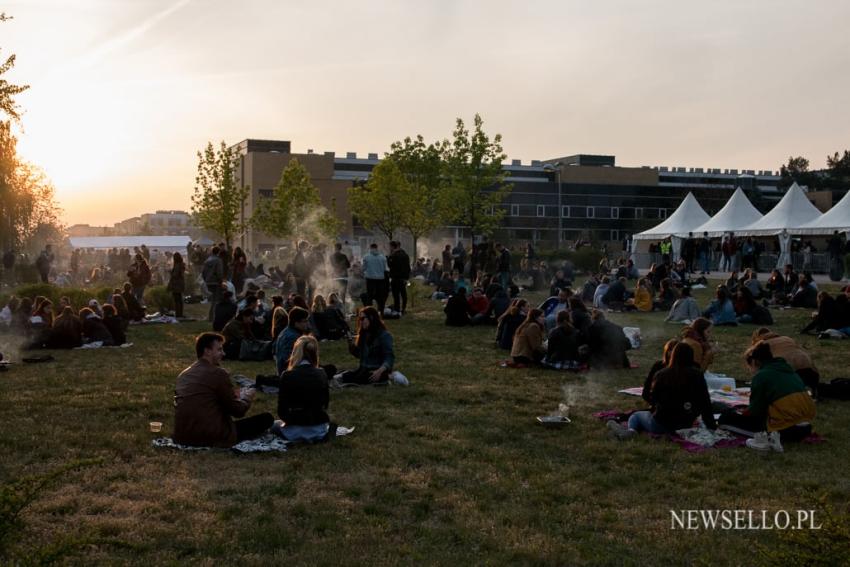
(268, 443)
(99, 344)
(736, 398)
(692, 440)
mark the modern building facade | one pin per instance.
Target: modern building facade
(583, 196)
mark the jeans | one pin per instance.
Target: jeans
(139, 294)
(644, 421)
(704, 259)
(307, 433)
(726, 264)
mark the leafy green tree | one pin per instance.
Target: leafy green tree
(218, 202)
(295, 208)
(9, 91)
(379, 204)
(475, 187)
(796, 170)
(421, 165)
(839, 165)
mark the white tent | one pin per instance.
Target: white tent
(736, 215)
(684, 219)
(164, 243)
(836, 218)
(791, 213)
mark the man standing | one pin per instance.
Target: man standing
(374, 271)
(459, 256)
(399, 266)
(705, 254)
(205, 402)
(9, 266)
(340, 265)
(213, 274)
(503, 267)
(447, 258)
(44, 262)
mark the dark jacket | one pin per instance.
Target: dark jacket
(398, 264)
(608, 345)
(177, 281)
(224, 311)
(115, 325)
(616, 293)
(457, 311)
(675, 405)
(213, 270)
(134, 308)
(96, 331)
(375, 352)
(563, 345)
(303, 397)
(506, 330)
(204, 401)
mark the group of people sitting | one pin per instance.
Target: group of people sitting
(206, 402)
(781, 409)
(43, 326)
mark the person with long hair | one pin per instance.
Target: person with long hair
(697, 335)
(177, 283)
(721, 311)
(121, 308)
(93, 328)
(678, 396)
(303, 397)
(115, 324)
(280, 319)
(329, 323)
(373, 346)
(41, 323)
(528, 346)
(134, 307)
(666, 356)
(684, 309)
(509, 322)
(139, 275)
(238, 265)
(67, 330)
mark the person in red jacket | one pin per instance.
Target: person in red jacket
(479, 307)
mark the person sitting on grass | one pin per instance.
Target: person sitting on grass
(721, 311)
(684, 309)
(666, 296)
(445, 287)
(41, 323)
(303, 398)
(457, 309)
(121, 309)
(509, 322)
(134, 308)
(678, 396)
(373, 345)
(616, 295)
(299, 324)
(479, 307)
(224, 311)
(329, 324)
(731, 282)
(750, 312)
(67, 331)
(806, 294)
(666, 356)
(795, 355)
(579, 318)
(554, 305)
(696, 335)
(499, 304)
(558, 283)
(236, 331)
(826, 317)
(642, 298)
(115, 324)
(280, 319)
(562, 349)
(527, 348)
(459, 280)
(205, 402)
(94, 330)
(599, 293)
(780, 409)
(607, 344)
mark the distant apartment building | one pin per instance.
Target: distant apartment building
(164, 223)
(82, 230)
(583, 196)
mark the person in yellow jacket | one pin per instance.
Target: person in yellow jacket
(642, 300)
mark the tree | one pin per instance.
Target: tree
(9, 91)
(839, 165)
(218, 202)
(379, 203)
(422, 167)
(295, 208)
(796, 170)
(475, 187)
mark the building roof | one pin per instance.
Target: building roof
(685, 218)
(158, 242)
(736, 215)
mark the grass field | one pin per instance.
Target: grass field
(452, 470)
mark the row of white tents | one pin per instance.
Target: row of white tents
(793, 215)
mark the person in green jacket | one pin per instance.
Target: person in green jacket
(781, 408)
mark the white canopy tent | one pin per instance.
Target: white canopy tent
(688, 215)
(836, 218)
(736, 215)
(163, 243)
(792, 212)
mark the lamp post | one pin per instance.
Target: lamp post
(556, 168)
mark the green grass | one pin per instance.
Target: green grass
(452, 470)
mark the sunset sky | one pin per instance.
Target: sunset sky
(124, 92)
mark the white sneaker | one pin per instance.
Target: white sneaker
(399, 378)
(764, 441)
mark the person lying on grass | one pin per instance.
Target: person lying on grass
(528, 346)
(303, 398)
(678, 396)
(373, 345)
(780, 409)
(205, 402)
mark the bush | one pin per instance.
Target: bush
(79, 296)
(159, 297)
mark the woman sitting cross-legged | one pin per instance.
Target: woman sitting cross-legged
(528, 340)
(721, 311)
(302, 402)
(373, 345)
(678, 396)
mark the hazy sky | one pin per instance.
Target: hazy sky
(124, 92)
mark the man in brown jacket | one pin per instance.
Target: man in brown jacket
(205, 402)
